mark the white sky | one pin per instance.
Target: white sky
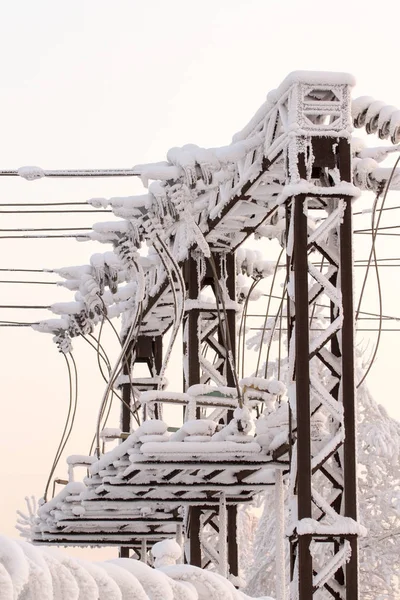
(94, 83)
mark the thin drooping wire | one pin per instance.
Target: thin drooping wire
(280, 334)
(178, 317)
(268, 309)
(220, 299)
(280, 310)
(380, 323)
(219, 296)
(131, 338)
(101, 354)
(242, 327)
(112, 378)
(372, 255)
(127, 365)
(68, 425)
(98, 362)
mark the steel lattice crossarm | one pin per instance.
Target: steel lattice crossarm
(135, 491)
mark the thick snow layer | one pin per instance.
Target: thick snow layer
(197, 427)
(32, 573)
(212, 450)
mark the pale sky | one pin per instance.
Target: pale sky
(94, 83)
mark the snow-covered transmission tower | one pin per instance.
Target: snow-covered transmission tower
(288, 175)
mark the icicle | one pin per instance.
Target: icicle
(223, 558)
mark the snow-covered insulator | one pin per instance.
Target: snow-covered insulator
(112, 267)
(80, 324)
(359, 109)
(126, 251)
(180, 196)
(154, 226)
(377, 117)
(63, 342)
(90, 292)
(384, 120)
(205, 160)
(363, 169)
(184, 158)
(97, 262)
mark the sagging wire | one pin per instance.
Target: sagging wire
(242, 326)
(126, 360)
(113, 375)
(270, 296)
(219, 296)
(109, 371)
(101, 354)
(130, 338)
(73, 403)
(280, 333)
(278, 315)
(178, 318)
(373, 255)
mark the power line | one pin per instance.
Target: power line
(45, 212)
(361, 312)
(75, 173)
(25, 270)
(368, 211)
(44, 237)
(377, 228)
(377, 233)
(47, 229)
(33, 282)
(16, 324)
(45, 204)
(30, 306)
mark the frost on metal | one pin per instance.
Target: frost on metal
(175, 259)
